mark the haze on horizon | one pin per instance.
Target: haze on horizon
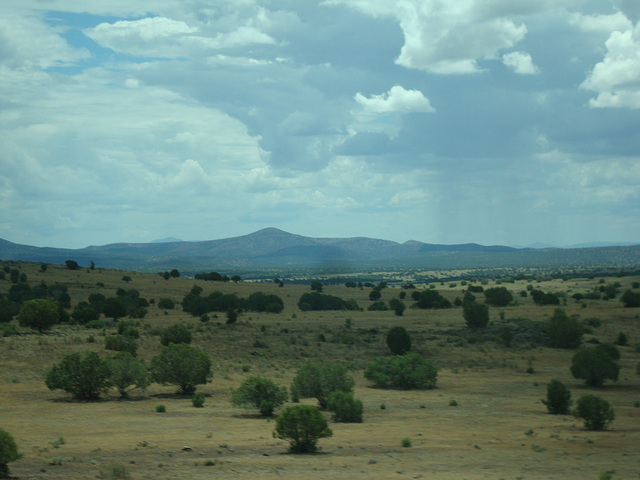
(484, 121)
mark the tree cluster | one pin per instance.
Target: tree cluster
(429, 299)
(197, 305)
(319, 301)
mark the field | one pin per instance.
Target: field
(485, 419)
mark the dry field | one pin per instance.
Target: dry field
(498, 430)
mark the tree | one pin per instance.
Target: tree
(236, 278)
(595, 411)
(302, 426)
(174, 273)
(397, 306)
(8, 452)
(374, 295)
(85, 376)
(320, 381)
(260, 393)
(127, 371)
(406, 372)
(564, 331)
(398, 340)
(498, 296)
(72, 264)
(39, 314)
(476, 315)
(558, 399)
(114, 308)
(121, 343)
(316, 286)
(595, 365)
(166, 304)
(176, 333)
(181, 365)
(345, 408)
(84, 313)
(630, 299)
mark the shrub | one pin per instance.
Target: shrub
(127, 371)
(84, 312)
(260, 393)
(176, 333)
(128, 328)
(558, 399)
(398, 340)
(198, 400)
(318, 301)
(595, 365)
(84, 376)
(622, 339)
(161, 408)
(595, 411)
(121, 343)
(345, 408)
(166, 304)
(476, 315)
(498, 296)
(406, 372)
(397, 306)
(406, 442)
(320, 381)
(564, 331)
(8, 452)
(39, 314)
(378, 307)
(302, 426)
(429, 299)
(181, 365)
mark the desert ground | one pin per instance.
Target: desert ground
(485, 419)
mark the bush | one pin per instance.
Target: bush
(630, 299)
(176, 333)
(302, 426)
(126, 371)
(595, 365)
(39, 314)
(622, 339)
(378, 307)
(166, 304)
(8, 452)
(320, 381)
(84, 376)
(564, 331)
(397, 306)
(198, 400)
(476, 315)
(318, 301)
(498, 296)
(121, 343)
(595, 411)
(161, 408)
(345, 408)
(181, 365)
(429, 299)
(406, 372)
(260, 393)
(558, 399)
(84, 313)
(398, 340)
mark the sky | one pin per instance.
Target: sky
(443, 121)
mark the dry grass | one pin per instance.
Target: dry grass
(499, 428)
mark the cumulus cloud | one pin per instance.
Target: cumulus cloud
(396, 100)
(600, 23)
(616, 79)
(520, 62)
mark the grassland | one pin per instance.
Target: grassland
(499, 428)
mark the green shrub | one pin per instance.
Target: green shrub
(595, 411)
(498, 296)
(39, 314)
(176, 333)
(558, 399)
(128, 328)
(8, 452)
(121, 343)
(595, 365)
(95, 324)
(161, 408)
(406, 442)
(84, 313)
(198, 400)
(406, 372)
(476, 315)
(127, 371)
(318, 301)
(320, 381)
(564, 331)
(302, 426)
(429, 299)
(378, 307)
(166, 304)
(622, 339)
(84, 376)
(398, 340)
(345, 408)
(630, 299)
(181, 365)
(260, 393)
(397, 306)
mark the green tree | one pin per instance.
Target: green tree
(84, 313)
(127, 371)
(85, 376)
(375, 295)
(345, 408)
(476, 315)
(397, 306)
(260, 393)
(302, 426)
(176, 333)
(558, 399)
(316, 286)
(398, 340)
(320, 381)
(121, 343)
(8, 452)
(236, 278)
(595, 411)
(405, 372)
(630, 299)
(72, 264)
(498, 296)
(39, 314)
(564, 331)
(595, 365)
(114, 308)
(174, 273)
(181, 365)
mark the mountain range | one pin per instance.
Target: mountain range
(272, 248)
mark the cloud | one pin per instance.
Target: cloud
(520, 62)
(396, 100)
(600, 23)
(631, 8)
(616, 79)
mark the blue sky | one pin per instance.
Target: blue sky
(487, 121)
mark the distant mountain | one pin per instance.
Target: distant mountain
(271, 248)
(166, 240)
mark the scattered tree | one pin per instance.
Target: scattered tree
(397, 306)
(236, 278)
(39, 314)
(630, 299)
(85, 376)
(430, 299)
(181, 365)
(405, 372)
(374, 295)
(176, 333)
(498, 296)
(127, 371)
(318, 301)
(260, 393)
(345, 408)
(558, 399)
(316, 286)
(121, 343)
(595, 411)
(72, 264)
(8, 452)
(174, 273)
(320, 381)
(302, 426)
(595, 365)
(166, 304)
(476, 315)
(564, 331)
(398, 340)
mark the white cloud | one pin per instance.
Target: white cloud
(631, 8)
(396, 100)
(616, 79)
(520, 62)
(600, 23)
